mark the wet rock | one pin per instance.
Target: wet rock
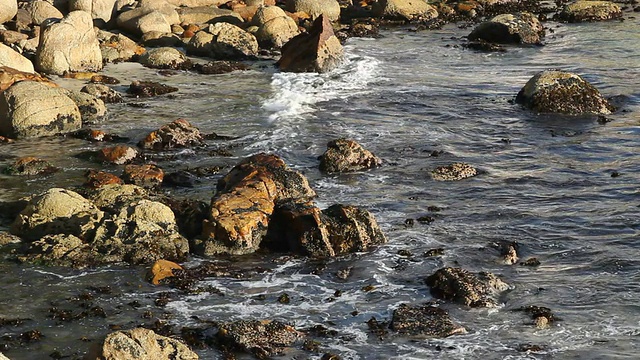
(481, 45)
(541, 316)
(522, 28)
(104, 79)
(314, 8)
(57, 211)
(366, 29)
(189, 214)
(461, 286)
(118, 47)
(60, 250)
(509, 253)
(9, 76)
(69, 45)
(453, 172)
(92, 109)
(30, 166)
(165, 58)
(141, 344)
(6, 239)
(13, 59)
(162, 269)
(275, 28)
(223, 41)
(96, 136)
(37, 11)
(8, 9)
(352, 229)
(96, 179)
(424, 320)
(406, 10)
(146, 176)
(583, 11)
(102, 11)
(4, 140)
(220, 67)
(263, 339)
(149, 88)
(177, 134)
(117, 155)
(103, 92)
(554, 91)
(345, 155)
(208, 15)
(531, 262)
(149, 15)
(319, 50)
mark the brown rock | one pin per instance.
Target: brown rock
(149, 89)
(344, 155)
(220, 67)
(424, 320)
(8, 76)
(103, 92)
(30, 166)
(146, 176)
(5, 140)
(162, 269)
(264, 339)
(454, 172)
(96, 179)
(118, 155)
(463, 287)
(177, 134)
(104, 79)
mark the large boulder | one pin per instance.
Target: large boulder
(319, 50)
(165, 58)
(554, 91)
(92, 109)
(275, 28)
(8, 9)
(177, 134)
(150, 15)
(40, 10)
(314, 8)
(345, 155)
(60, 250)
(141, 344)
(588, 10)
(523, 28)
(463, 287)
(424, 320)
(13, 59)
(102, 11)
(208, 14)
(69, 45)
(31, 109)
(405, 10)
(223, 41)
(264, 339)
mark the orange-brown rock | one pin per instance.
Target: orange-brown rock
(6, 140)
(104, 79)
(80, 75)
(118, 155)
(147, 175)
(246, 12)
(162, 269)
(97, 179)
(8, 76)
(177, 134)
(29, 166)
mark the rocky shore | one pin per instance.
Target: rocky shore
(123, 212)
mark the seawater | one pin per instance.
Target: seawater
(545, 183)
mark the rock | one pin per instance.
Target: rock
(329, 8)
(142, 344)
(69, 45)
(424, 320)
(6, 239)
(103, 92)
(96, 135)
(13, 59)
(31, 109)
(196, 3)
(92, 109)
(405, 10)
(208, 15)
(160, 39)
(150, 15)
(454, 172)
(112, 198)
(541, 316)
(223, 41)
(8, 9)
(165, 58)
(149, 88)
(40, 10)
(263, 339)
(162, 269)
(10, 37)
(463, 287)
(509, 253)
(531, 262)
(177, 134)
(57, 211)
(97, 179)
(59, 250)
(102, 11)
(220, 67)
(523, 28)
(554, 91)
(117, 155)
(117, 47)
(189, 214)
(275, 28)
(9, 76)
(30, 166)
(319, 50)
(146, 176)
(344, 155)
(104, 79)
(588, 10)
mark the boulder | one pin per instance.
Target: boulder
(423, 320)
(314, 8)
(103, 92)
(31, 109)
(554, 91)
(97, 179)
(150, 15)
(118, 155)
(461, 286)
(223, 41)
(177, 134)
(220, 67)
(165, 58)
(263, 339)
(146, 176)
(9, 76)
(69, 45)
(13, 59)
(196, 3)
(60, 250)
(57, 211)
(160, 39)
(588, 10)
(208, 15)
(141, 344)
(523, 28)
(319, 50)
(275, 28)
(10, 37)
(113, 197)
(453, 172)
(29, 166)
(162, 269)
(345, 155)
(102, 11)
(8, 9)
(40, 10)
(405, 10)
(92, 109)
(117, 47)
(149, 88)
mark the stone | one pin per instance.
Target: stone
(113, 197)
(275, 28)
(30, 109)
(345, 155)
(263, 339)
(8, 9)
(10, 37)
(424, 321)
(329, 8)
(208, 15)
(454, 172)
(223, 41)
(29, 166)
(177, 134)
(142, 344)
(150, 15)
(117, 47)
(69, 44)
(146, 176)
(102, 11)
(9, 76)
(196, 3)
(165, 58)
(319, 50)
(13, 59)
(554, 91)
(522, 28)
(40, 10)
(541, 316)
(162, 269)
(103, 92)
(57, 211)
(463, 287)
(405, 10)
(160, 39)
(92, 109)
(588, 10)
(118, 155)
(220, 67)
(97, 179)
(59, 250)
(104, 79)
(149, 88)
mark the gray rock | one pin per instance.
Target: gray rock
(142, 344)
(150, 15)
(69, 45)
(8, 9)
(101, 10)
(406, 10)
(583, 10)
(111, 198)
(177, 134)
(461, 286)
(60, 250)
(40, 10)
(208, 15)
(314, 8)
(117, 47)
(454, 172)
(345, 155)
(223, 41)
(29, 166)
(523, 28)
(30, 109)
(264, 339)
(103, 92)
(275, 28)
(424, 321)
(13, 59)
(91, 108)
(165, 58)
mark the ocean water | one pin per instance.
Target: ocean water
(545, 183)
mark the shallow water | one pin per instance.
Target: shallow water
(546, 183)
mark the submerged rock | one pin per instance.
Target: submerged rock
(220, 67)
(522, 28)
(344, 155)
(29, 166)
(177, 134)
(149, 88)
(141, 344)
(453, 172)
(461, 286)
(264, 339)
(554, 91)
(588, 10)
(541, 316)
(424, 320)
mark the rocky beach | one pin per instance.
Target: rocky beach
(319, 179)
